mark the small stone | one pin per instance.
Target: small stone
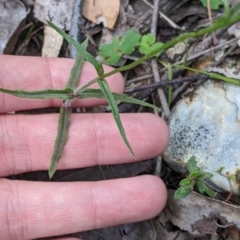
(207, 125)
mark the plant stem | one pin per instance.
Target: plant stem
(78, 90)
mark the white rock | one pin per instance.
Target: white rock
(208, 127)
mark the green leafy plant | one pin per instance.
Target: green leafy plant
(124, 46)
(148, 44)
(112, 52)
(195, 178)
(214, 4)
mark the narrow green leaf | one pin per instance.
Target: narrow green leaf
(210, 74)
(80, 49)
(76, 69)
(111, 101)
(62, 135)
(97, 93)
(127, 99)
(209, 192)
(203, 188)
(44, 94)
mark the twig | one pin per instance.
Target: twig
(133, 80)
(166, 83)
(166, 111)
(163, 100)
(168, 20)
(214, 38)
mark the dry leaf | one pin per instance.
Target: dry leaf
(52, 42)
(104, 11)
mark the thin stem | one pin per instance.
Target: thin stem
(78, 90)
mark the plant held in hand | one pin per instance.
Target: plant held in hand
(71, 91)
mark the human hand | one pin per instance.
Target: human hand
(31, 210)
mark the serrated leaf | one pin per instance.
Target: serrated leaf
(97, 93)
(185, 182)
(205, 175)
(215, 4)
(129, 42)
(110, 52)
(192, 165)
(112, 103)
(195, 174)
(182, 192)
(44, 94)
(76, 69)
(147, 40)
(147, 44)
(87, 56)
(62, 135)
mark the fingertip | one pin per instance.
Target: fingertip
(157, 194)
(154, 197)
(161, 136)
(134, 199)
(154, 135)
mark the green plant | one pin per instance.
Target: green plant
(112, 52)
(214, 4)
(232, 178)
(71, 91)
(195, 178)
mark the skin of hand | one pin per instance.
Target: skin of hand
(30, 210)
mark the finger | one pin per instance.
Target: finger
(31, 210)
(27, 142)
(35, 73)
